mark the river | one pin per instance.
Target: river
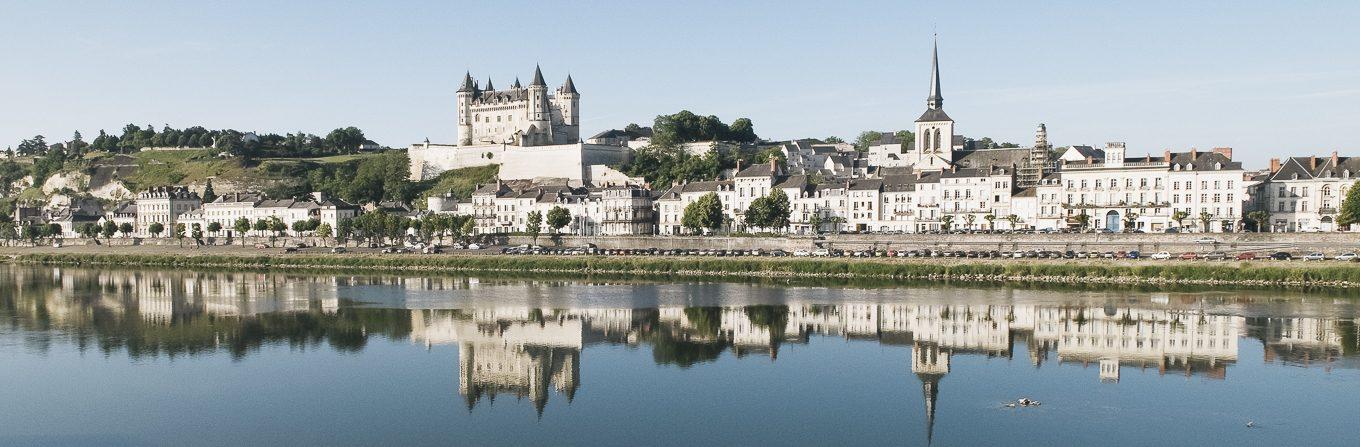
(136, 357)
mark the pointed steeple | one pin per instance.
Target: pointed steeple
(488, 84)
(516, 82)
(538, 78)
(930, 390)
(569, 87)
(935, 101)
(467, 83)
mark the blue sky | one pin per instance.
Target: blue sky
(1267, 78)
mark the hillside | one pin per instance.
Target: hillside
(357, 178)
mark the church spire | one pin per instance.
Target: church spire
(516, 82)
(538, 78)
(935, 101)
(488, 84)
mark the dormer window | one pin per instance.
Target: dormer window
(1346, 174)
(1218, 166)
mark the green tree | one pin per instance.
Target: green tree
(1204, 219)
(155, 229)
(300, 227)
(1260, 218)
(1350, 209)
(89, 230)
(323, 231)
(1130, 221)
(558, 217)
(208, 194)
(179, 233)
(242, 227)
(866, 139)
(706, 213)
(947, 222)
(344, 228)
(1083, 220)
(214, 228)
(346, 140)
(7, 231)
(277, 226)
(469, 226)
(1179, 217)
(1014, 220)
(968, 220)
(991, 221)
(534, 224)
(109, 229)
(125, 228)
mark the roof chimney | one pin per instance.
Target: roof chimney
(1194, 154)
(1312, 162)
(1166, 155)
(738, 165)
(1334, 159)
(1224, 151)
(1274, 165)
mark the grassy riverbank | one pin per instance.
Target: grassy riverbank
(1029, 271)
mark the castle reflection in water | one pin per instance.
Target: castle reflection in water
(525, 338)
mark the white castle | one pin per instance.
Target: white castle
(530, 132)
(519, 116)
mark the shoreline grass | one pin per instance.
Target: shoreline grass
(1227, 274)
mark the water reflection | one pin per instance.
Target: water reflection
(525, 339)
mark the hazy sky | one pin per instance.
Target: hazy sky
(1267, 78)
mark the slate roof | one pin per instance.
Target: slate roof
(932, 115)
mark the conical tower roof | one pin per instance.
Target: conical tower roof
(538, 78)
(488, 84)
(516, 82)
(467, 86)
(569, 87)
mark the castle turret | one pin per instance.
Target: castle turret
(540, 116)
(465, 95)
(489, 88)
(571, 114)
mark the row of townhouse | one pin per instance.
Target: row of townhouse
(1191, 191)
(173, 205)
(505, 207)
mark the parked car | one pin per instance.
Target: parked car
(1189, 256)
(1281, 256)
(1245, 256)
(1216, 256)
(821, 252)
(1161, 255)
(1133, 254)
(474, 246)
(1315, 256)
(1348, 257)
(801, 252)
(338, 250)
(290, 249)
(1206, 240)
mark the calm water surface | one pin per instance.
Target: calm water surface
(177, 358)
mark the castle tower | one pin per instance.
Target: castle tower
(465, 94)
(571, 113)
(934, 129)
(540, 116)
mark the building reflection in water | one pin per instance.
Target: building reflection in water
(525, 338)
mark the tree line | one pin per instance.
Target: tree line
(343, 140)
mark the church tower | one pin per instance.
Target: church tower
(1033, 170)
(934, 129)
(465, 94)
(570, 102)
(930, 363)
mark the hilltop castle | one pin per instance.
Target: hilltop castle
(531, 133)
(519, 116)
